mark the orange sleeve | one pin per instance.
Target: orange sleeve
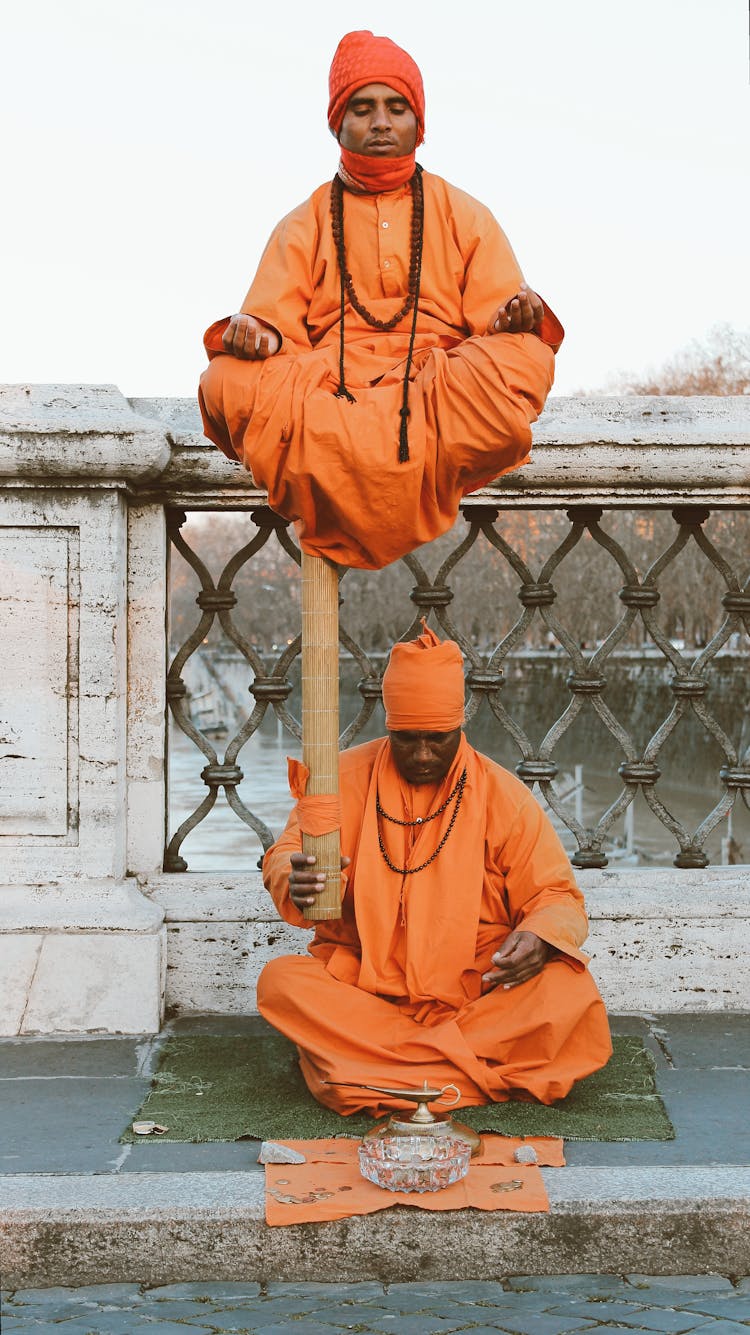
(540, 886)
(282, 289)
(492, 273)
(276, 872)
(550, 330)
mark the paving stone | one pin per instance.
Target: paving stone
(407, 1307)
(46, 1311)
(598, 1311)
(348, 1314)
(157, 1156)
(539, 1323)
(242, 1318)
(736, 1308)
(215, 1292)
(706, 1041)
(294, 1328)
(583, 1285)
(664, 1300)
(520, 1302)
(417, 1324)
(680, 1299)
(69, 1057)
(70, 1317)
(342, 1292)
(411, 1303)
(112, 1322)
(725, 1328)
(93, 1293)
(172, 1309)
(57, 1319)
(477, 1291)
(483, 1330)
(66, 1126)
(665, 1319)
(68, 1328)
(71, 1312)
(286, 1307)
(706, 1109)
(697, 1284)
(157, 1327)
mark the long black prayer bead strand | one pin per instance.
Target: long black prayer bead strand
(347, 289)
(412, 871)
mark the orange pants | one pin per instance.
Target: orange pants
(531, 1041)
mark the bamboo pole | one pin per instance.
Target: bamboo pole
(320, 718)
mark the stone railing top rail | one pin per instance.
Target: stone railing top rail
(601, 451)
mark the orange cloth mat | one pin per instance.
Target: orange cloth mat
(329, 1185)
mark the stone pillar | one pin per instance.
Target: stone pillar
(81, 948)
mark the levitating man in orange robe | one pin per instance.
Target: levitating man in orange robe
(388, 358)
(457, 959)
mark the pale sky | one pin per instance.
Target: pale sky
(155, 143)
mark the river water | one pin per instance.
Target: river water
(223, 843)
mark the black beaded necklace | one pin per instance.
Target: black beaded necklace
(457, 792)
(411, 304)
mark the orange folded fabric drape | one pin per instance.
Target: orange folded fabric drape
(315, 815)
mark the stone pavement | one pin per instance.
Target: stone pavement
(77, 1207)
(520, 1305)
(65, 1102)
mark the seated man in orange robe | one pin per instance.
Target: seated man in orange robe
(388, 358)
(457, 958)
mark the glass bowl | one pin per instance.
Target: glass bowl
(414, 1163)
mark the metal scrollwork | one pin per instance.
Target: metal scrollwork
(640, 767)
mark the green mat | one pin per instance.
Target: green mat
(216, 1088)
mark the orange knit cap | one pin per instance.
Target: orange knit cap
(362, 58)
(423, 685)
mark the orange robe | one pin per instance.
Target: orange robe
(391, 994)
(332, 465)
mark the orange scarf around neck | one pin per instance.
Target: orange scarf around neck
(375, 176)
(419, 933)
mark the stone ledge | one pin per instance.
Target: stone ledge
(605, 451)
(77, 433)
(644, 892)
(660, 940)
(638, 893)
(80, 1230)
(78, 906)
(81, 957)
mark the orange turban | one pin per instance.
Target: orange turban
(423, 685)
(362, 58)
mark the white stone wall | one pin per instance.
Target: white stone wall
(146, 688)
(81, 948)
(92, 934)
(658, 941)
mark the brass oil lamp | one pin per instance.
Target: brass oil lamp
(422, 1152)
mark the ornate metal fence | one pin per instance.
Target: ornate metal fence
(637, 597)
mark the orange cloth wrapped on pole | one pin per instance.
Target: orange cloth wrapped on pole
(316, 815)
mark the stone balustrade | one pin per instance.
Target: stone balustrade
(94, 936)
